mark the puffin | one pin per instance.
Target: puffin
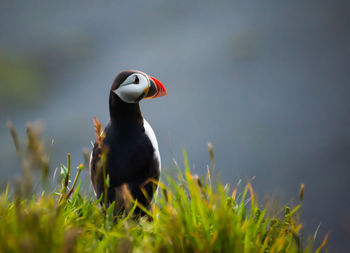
(128, 153)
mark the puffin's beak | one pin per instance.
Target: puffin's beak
(156, 89)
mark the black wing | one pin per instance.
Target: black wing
(96, 174)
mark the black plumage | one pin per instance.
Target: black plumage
(131, 157)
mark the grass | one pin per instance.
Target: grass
(190, 214)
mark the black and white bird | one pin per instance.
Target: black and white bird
(130, 145)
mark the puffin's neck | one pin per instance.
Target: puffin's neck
(121, 112)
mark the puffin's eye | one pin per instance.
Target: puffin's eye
(136, 80)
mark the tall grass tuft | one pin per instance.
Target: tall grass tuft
(190, 214)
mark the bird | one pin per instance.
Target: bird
(131, 160)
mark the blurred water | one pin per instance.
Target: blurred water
(267, 83)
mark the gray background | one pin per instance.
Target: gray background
(266, 82)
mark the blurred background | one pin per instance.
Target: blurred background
(266, 82)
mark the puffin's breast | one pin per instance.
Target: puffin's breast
(152, 137)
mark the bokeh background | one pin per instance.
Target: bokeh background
(267, 82)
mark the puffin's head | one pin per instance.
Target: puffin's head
(132, 85)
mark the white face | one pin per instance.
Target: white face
(134, 88)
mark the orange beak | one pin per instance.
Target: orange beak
(156, 89)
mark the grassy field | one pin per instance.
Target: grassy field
(190, 214)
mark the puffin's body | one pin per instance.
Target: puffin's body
(130, 145)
